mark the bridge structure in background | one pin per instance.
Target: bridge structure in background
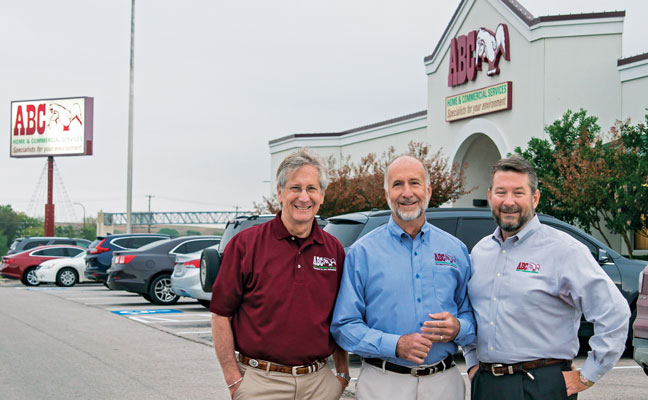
(174, 217)
(106, 220)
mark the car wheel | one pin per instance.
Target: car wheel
(66, 277)
(160, 291)
(204, 303)
(29, 277)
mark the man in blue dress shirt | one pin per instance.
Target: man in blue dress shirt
(530, 284)
(402, 303)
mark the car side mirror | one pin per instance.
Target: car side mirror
(603, 256)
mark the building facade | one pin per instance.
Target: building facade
(496, 78)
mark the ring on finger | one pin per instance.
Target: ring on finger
(440, 338)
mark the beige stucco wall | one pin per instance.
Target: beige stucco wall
(635, 100)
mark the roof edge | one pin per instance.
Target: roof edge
(632, 59)
(358, 129)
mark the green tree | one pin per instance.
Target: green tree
(169, 231)
(591, 183)
(13, 225)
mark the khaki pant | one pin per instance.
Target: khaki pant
(259, 384)
(374, 384)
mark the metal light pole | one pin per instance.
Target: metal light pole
(129, 180)
(84, 218)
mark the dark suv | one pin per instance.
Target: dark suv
(21, 244)
(210, 259)
(100, 251)
(470, 225)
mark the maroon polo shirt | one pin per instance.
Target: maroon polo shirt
(280, 294)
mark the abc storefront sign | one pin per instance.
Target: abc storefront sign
(51, 127)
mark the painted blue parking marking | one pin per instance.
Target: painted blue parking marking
(146, 312)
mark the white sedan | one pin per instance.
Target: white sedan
(63, 271)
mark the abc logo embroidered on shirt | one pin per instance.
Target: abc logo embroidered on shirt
(324, 263)
(528, 267)
(445, 259)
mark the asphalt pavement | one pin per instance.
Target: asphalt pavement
(91, 342)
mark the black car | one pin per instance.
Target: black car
(470, 225)
(148, 270)
(100, 251)
(211, 257)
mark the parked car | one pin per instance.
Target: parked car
(640, 326)
(470, 225)
(65, 272)
(21, 244)
(211, 256)
(185, 280)
(100, 252)
(23, 265)
(148, 270)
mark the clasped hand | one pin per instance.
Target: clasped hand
(442, 327)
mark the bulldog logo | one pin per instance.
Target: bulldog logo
(490, 47)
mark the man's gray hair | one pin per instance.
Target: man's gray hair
(427, 173)
(517, 164)
(298, 159)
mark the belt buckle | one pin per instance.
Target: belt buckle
(253, 363)
(493, 366)
(414, 372)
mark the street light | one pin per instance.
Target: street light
(84, 219)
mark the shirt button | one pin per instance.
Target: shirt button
(420, 323)
(494, 298)
(292, 237)
(499, 274)
(503, 251)
(416, 253)
(298, 265)
(417, 276)
(419, 299)
(492, 323)
(491, 348)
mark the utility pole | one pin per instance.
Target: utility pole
(129, 180)
(149, 212)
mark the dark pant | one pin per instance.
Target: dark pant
(549, 384)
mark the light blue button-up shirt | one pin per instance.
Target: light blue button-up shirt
(391, 283)
(529, 292)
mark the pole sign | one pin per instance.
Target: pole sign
(477, 102)
(51, 127)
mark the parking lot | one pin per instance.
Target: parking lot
(88, 341)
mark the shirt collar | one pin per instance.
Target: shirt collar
(528, 230)
(280, 231)
(397, 231)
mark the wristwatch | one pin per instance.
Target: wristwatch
(344, 376)
(585, 381)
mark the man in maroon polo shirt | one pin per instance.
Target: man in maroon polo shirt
(273, 298)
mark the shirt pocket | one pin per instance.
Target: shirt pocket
(445, 284)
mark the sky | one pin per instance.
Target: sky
(214, 82)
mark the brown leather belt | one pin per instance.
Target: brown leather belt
(270, 366)
(510, 369)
